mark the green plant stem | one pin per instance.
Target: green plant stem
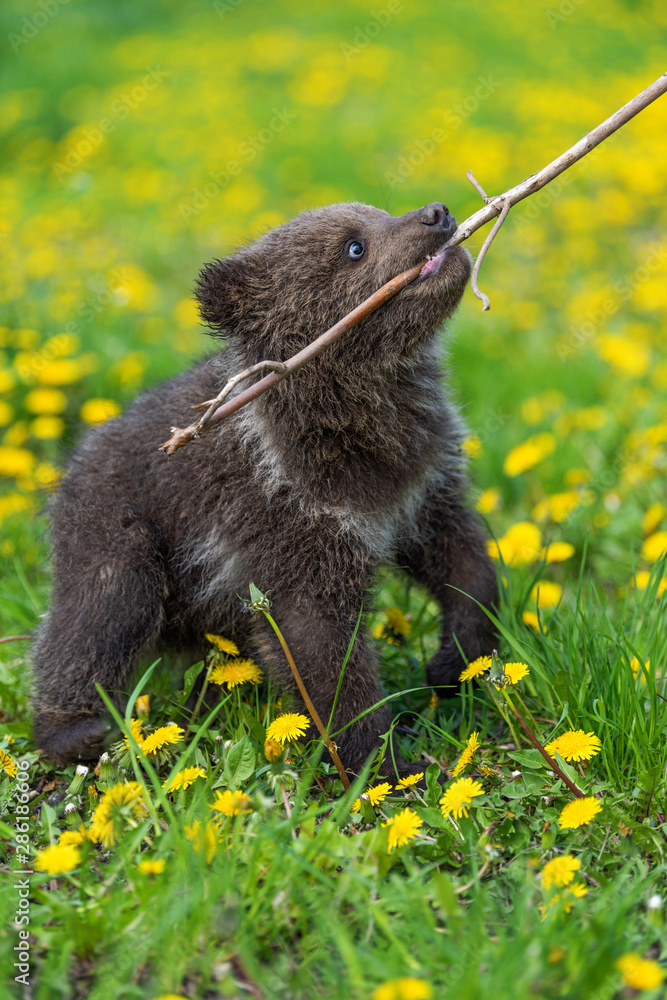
(538, 746)
(309, 705)
(202, 693)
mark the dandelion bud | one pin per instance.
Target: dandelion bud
(72, 816)
(273, 751)
(77, 781)
(93, 794)
(107, 772)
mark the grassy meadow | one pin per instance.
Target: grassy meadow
(220, 856)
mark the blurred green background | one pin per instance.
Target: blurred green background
(141, 140)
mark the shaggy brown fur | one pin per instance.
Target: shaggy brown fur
(352, 462)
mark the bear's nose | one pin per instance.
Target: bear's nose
(437, 215)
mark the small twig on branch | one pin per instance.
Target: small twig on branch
(486, 304)
(498, 206)
(14, 638)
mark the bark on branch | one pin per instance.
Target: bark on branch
(497, 206)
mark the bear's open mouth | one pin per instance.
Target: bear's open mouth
(433, 264)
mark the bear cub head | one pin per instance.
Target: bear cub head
(277, 294)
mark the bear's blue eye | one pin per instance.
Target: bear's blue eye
(355, 250)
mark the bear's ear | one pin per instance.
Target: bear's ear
(220, 291)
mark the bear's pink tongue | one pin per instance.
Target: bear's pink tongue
(432, 265)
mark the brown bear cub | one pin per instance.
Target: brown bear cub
(352, 462)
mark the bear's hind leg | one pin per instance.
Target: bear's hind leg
(103, 616)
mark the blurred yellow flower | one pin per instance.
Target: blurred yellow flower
(575, 745)
(557, 507)
(655, 546)
(184, 778)
(231, 803)
(186, 313)
(407, 988)
(623, 353)
(641, 581)
(467, 755)
(394, 628)
(46, 401)
(652, 518)
(97, 411)
(403, 827)
(521, 544)
(6, 413)
(578, 813)
(560, 871)
(374, 795)
(203, 837)
(640, 973)
(15, 461)
(222, 645)
(529, 454)
(472, 446)
(488, 501)
(558, 552)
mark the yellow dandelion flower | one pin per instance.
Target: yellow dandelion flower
(123, 802)
(560, 871)
(407, 988)
(642, 579)
(150, 866)
(636, 666)
(578, 813)
(203, 837)
(288, 727)
(652, 518)
(472, 446)
(575, 745)
(655, 546)
(409, 780)
(222, 644)
(640, 973)
(273, 751)
(469, 751)
(557, 507)
(57, 859)
(514, 672)
(71, 838)
(530, 618)
(231, 803)
(546, 594)
(7, 763)
(143, 704)
(477, 667)
(236, 672)
(46, 401)
(521, 544)
(163, 736)
(137, 733)
(458, 797)
(97, 411)
(394, 627)
(374, 795)
(529, 454)
(184, 778)
(403, 827)
(488, 501)
(558, 552)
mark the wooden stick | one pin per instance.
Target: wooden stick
(493, 207)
